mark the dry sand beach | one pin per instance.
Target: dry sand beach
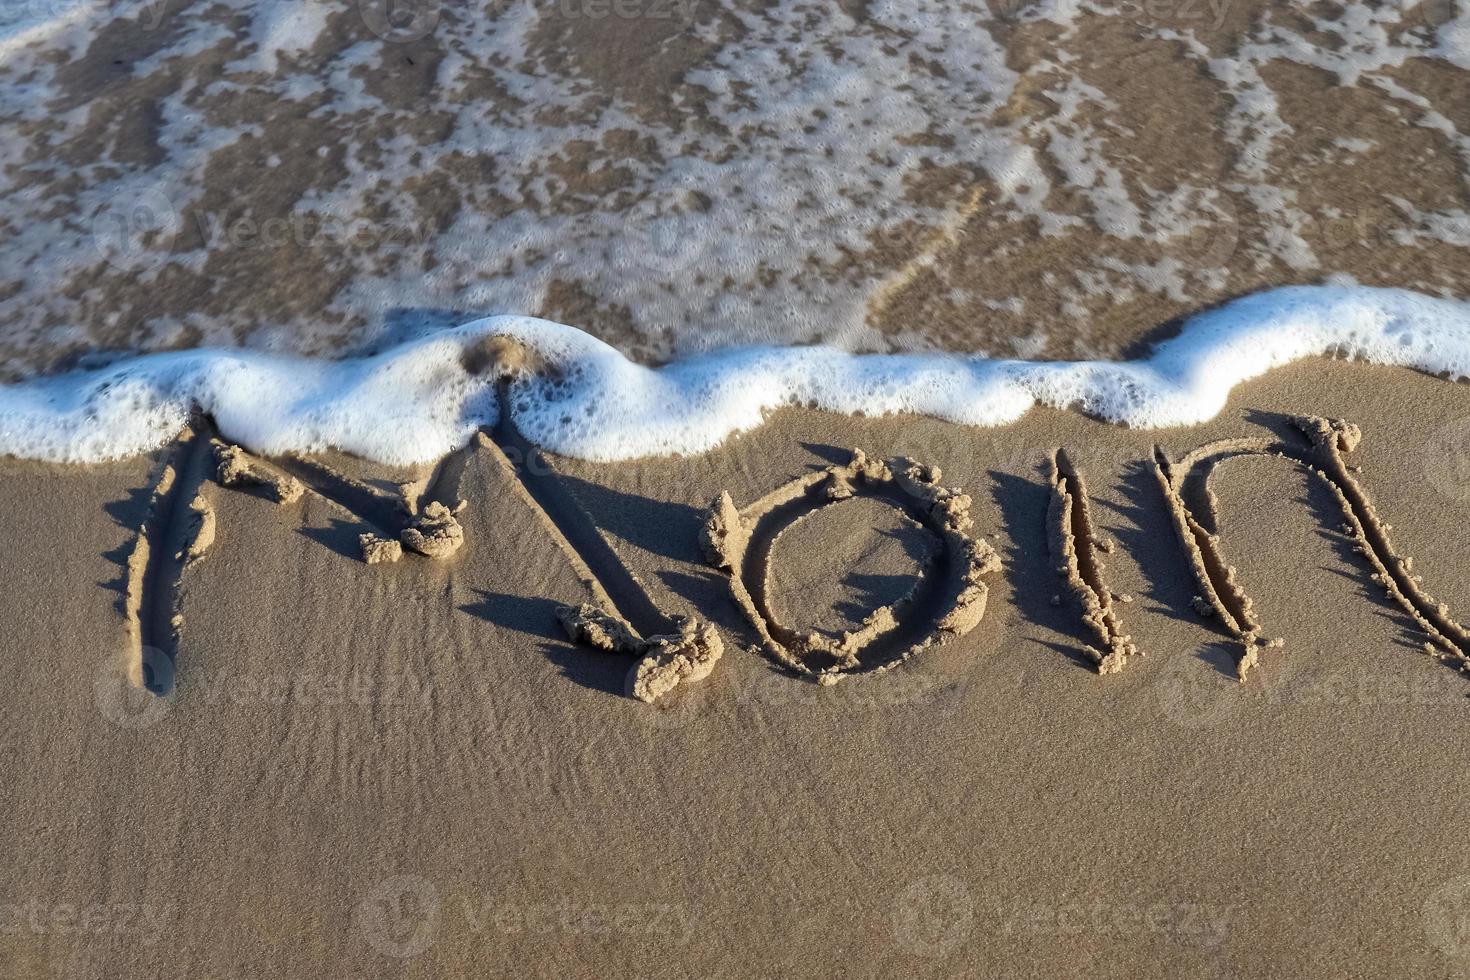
(347, 637)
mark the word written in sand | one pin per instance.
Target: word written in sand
(616, 615)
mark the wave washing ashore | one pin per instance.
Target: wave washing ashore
(577, 396)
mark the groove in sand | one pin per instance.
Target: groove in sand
(949, 599)
(618, 616)
(1223, 595)
(385, 513)
(1075, 547)
(422, 517)
(177, 532)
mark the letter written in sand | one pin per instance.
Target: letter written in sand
(1222, 593)
(1076, 548)
(948, 600)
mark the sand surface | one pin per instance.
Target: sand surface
(405, 769)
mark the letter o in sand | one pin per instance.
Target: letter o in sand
(948, 601)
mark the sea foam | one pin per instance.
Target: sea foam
(905, 161)
(418, 401)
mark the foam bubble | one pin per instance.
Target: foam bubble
(417, 402)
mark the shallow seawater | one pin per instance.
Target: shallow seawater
(1044, 179)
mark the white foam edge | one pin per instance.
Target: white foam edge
(416, 402)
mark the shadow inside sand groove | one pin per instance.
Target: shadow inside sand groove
(1023, 506)
(531, 615)
(535, 618)
(1150, 536)
(367, 504)
(606, 673)
(340, 536)
(561, 508)
(828, 454)
(131, 511)
(709, 592)
(663, 528)
(155, 570)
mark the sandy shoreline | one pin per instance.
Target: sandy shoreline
(406, 770)
(317, 717)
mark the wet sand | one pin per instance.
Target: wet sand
(406, 769)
